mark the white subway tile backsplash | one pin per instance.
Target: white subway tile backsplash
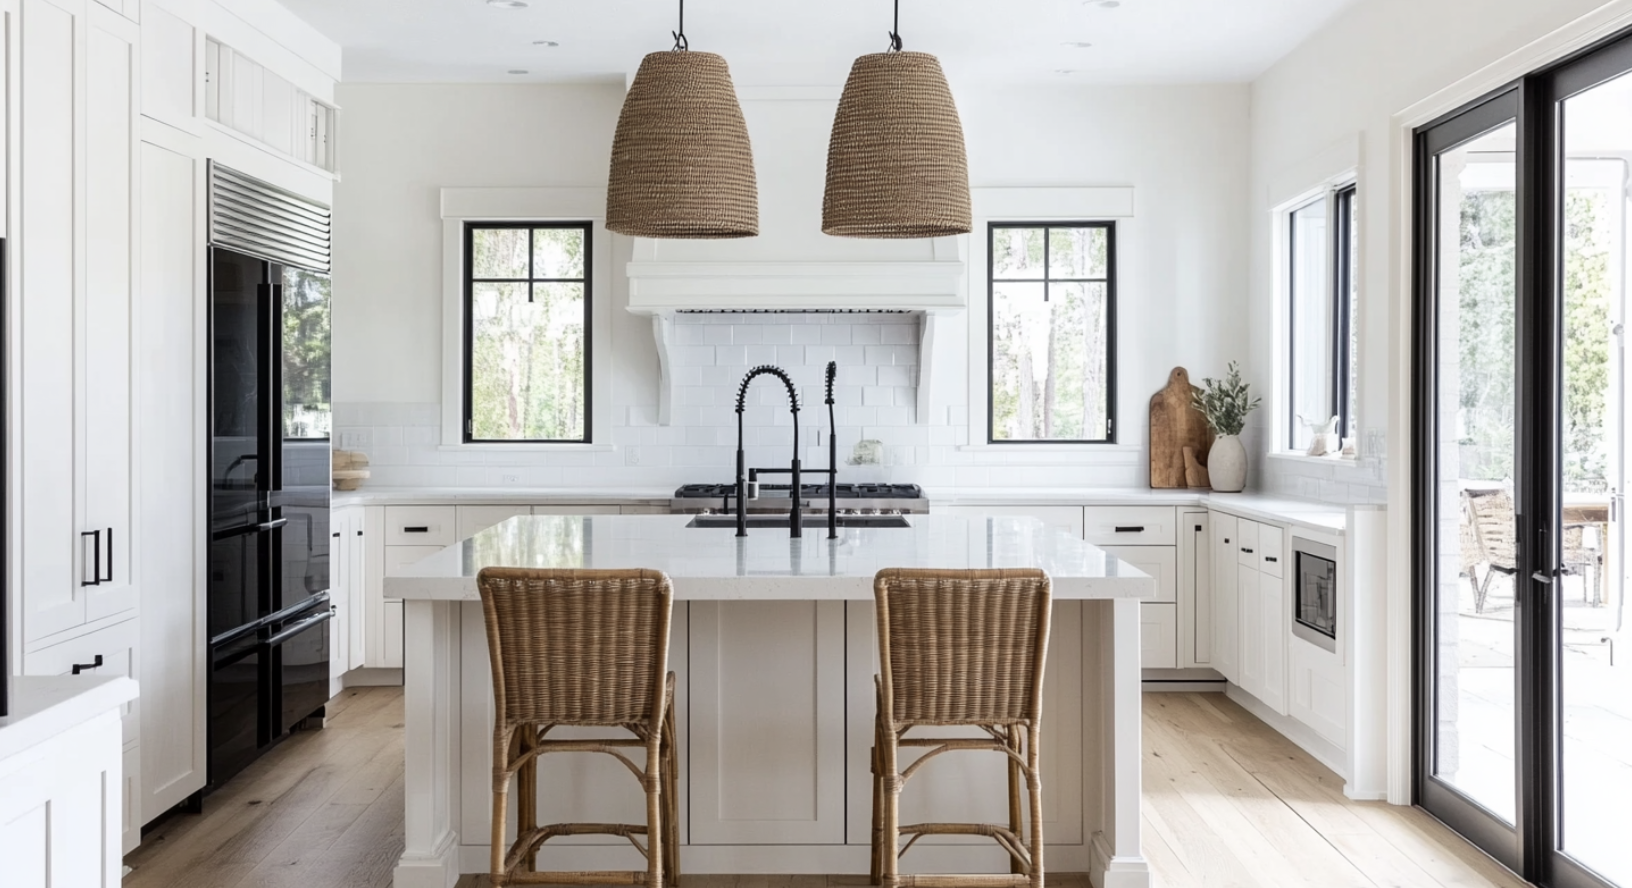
(866, 334)
(775, 334)
(900, 334)
(897, 376)
(730, 355)
(805, 334)
(875, 396)
(836, 334)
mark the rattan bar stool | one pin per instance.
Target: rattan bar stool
(581, 648)
(960, 648)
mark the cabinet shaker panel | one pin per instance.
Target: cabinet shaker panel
(168, 65)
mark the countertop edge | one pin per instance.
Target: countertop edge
(45, 706)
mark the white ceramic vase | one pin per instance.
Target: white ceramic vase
(1227, 464)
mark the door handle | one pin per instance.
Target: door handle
(95, 573)
(81, 667)
(416, 530)
(1246, 550)
(1139, 529)
(272, 525)
(109, 577)
(1542, 576)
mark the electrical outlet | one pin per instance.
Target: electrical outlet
(631, 456)
(510, 479)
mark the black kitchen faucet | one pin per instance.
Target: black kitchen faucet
(745, 475)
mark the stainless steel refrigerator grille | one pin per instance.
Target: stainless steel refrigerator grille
(261, 219)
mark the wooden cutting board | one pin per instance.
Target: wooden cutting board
(1176, 424)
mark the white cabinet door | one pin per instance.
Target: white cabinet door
(399, 557)
(1273, 617)
(107, 381)
(356, 559)
(1158, 635)
(46, 251)
(767, 723)
(1196, 599)
(170, 424)
(169, 62)
(1249, 597)
(391, 636)
(1226, 626)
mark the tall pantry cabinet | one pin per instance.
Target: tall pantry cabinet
(105, 220)
(71, 252)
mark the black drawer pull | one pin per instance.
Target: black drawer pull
(336, 534)
(416, 530)
(1140, 529)
(1248, 551)
(1271, 558)
(94, 664)
(95, 573)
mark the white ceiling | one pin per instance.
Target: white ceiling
(779, 43)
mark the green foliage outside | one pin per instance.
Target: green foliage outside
(1486, 333)
(307, 412)
(1049, 355)
(527, 323)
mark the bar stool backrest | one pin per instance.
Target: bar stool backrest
(962, 647)
(582, 647)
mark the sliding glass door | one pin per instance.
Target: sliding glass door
(1524, 716)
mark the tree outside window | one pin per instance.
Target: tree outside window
(1052, 328)
(526, 324)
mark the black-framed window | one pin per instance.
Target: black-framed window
(1321, 257)
(1051, 328)
(527, 332)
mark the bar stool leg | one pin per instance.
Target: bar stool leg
(527, 795)
(1014, 796)
(671, 804)
(1034, 764)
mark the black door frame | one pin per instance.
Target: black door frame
(1535, 103)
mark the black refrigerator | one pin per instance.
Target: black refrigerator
(268, 571)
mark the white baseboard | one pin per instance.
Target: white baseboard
(440, 869)
(1106, 870)
(1186, 687)
(374, 678)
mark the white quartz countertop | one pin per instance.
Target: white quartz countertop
(714, 564)
(1329, 517)
(44, 706)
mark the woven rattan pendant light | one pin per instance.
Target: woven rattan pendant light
(682, 166)
(897, 166)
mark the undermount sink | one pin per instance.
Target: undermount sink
(764, 520)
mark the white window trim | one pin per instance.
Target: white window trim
(1049, 204)
(1332, 170)
(462, 205)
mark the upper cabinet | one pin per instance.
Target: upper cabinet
(244, 95)
(73, 252)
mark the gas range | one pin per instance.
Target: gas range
(863, 499)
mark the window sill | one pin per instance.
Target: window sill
(527, 448)
(1305, 459)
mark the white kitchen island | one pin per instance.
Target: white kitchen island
(773, 639)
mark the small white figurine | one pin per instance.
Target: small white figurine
(1323, 438)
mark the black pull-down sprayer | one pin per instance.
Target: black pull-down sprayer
(832, 458)
(794, 517)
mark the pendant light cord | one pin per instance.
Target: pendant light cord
(681, 44)
(895, 35)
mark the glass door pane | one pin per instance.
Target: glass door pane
(1594, 686)
(1475, 728)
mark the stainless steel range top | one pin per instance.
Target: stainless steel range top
(861, 499)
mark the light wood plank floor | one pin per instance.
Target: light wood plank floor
(1229, 803)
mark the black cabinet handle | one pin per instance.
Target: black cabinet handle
(95, 573)
(416, 530)
(1270, 558)
(109, 577)
(336, 534)
(1248, 551)
(359, 533)
(94, 664)
(1130, 530)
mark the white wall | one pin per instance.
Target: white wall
(1345, 85)
(1184, 149)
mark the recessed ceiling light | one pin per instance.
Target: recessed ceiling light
(545, 43)
(516, 71)
(508, 4)
(1077, 44)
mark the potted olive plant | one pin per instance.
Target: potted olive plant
(1225, 404)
